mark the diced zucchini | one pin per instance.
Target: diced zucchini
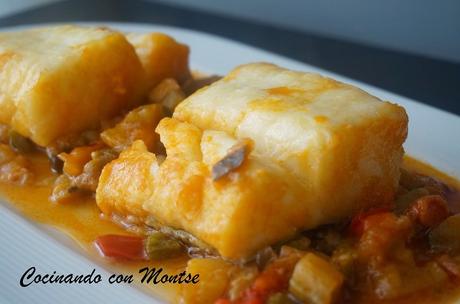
(315, 280)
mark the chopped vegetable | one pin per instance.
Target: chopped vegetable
(214, 278)
(121, 247)
(140, 124)
(14, 168)
(402, 276)
(159, 246)
(241, 281)
(344, 258)
(167, 93)
(279, 298)
(429, 210)
(68, 185)
(77, 158)
(291, 253)
(16, 172)
(384, 263)
(315, 280)
(234, 159)
(20, 143)
(357, 223)
(63, 190)
(89, 178)
(381, 233)
(196, 247)
(446, 236)
(274, 278)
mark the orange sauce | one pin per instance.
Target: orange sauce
(81, 220)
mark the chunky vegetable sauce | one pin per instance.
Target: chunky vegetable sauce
(405, 252)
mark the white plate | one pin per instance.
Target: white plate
(434, 137)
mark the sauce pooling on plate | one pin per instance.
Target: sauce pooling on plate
(81, 219)
(265, 186)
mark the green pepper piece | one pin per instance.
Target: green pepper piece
(279, 298)
(159, 246)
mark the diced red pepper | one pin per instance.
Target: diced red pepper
(253, 297)
(429, 210)
(273, 279)
(356, 227)
(121, 247)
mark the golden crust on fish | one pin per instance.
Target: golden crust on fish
(322, 151)
(342, 144)
(65, 79)
(128, 182)
(231, 214)
(161, 56)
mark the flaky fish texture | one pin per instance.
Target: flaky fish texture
(321, 150)
(128, 182)
(65, 79)
(161, 56)
(62, 80)
(342, 144)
